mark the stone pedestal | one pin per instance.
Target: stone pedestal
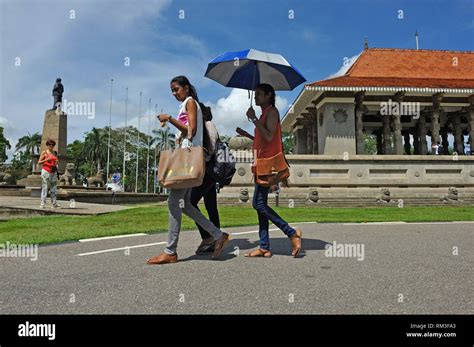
(54, 128)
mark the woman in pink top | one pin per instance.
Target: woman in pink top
(49, 160)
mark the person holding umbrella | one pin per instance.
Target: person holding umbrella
(267, 142)
(263, 73)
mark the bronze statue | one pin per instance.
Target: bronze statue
(58, 91)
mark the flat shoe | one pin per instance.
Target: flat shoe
(163, 258)
(259, 253)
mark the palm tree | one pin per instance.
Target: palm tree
(95, 146)
(4, 146)
(31, 144)
(164, 139)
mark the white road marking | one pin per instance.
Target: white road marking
(121, 248)
(110, 237)
(374, 223)
(251, 232)
(454, 222)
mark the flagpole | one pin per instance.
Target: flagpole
(154, 166)
(138, 143)
(125, 138)
(110, 126)
(148, 145)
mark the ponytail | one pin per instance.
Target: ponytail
(183, 82)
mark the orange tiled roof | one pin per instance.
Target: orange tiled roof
(386, 67)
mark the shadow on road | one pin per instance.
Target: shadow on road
(280, 246)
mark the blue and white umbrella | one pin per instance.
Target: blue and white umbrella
(246, 69)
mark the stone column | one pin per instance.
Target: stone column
(458, 138)
(300, 140)
(444, 140)
(359, 110)
(397, 124)
(314, 128)
(309, 133)
(422, 134)
(435, 110)
(386, 134)
(397, 132)
(470, 122)
(416, 141)
(406, 139)
(378, 134)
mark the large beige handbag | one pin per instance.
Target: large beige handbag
(182, 168)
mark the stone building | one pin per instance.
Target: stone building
(405, 98)
(403, 101)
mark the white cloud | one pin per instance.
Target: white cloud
(346, 65)
(86, 52)
(229, 112)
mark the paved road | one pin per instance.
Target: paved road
(415, 260)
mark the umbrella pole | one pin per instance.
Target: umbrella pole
(253, 83)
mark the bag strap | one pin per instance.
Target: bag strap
(189, 131)
(281, 140)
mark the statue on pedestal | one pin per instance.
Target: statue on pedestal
(58, 91)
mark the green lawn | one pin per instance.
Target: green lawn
(152, 219)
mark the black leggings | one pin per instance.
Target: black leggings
(207, 190)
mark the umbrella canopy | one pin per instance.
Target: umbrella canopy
(246, 69)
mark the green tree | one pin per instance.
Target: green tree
(288, 140)
(370, 144)
(30, 146)
(163, 139)
(225, 138)
(95, 147)
(4, 146)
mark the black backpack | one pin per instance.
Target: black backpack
(221, 167)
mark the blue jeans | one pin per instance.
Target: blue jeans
(265, 213)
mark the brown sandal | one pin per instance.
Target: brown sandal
(259, 253)
(296, 243)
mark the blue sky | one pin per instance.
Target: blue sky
(88, 50)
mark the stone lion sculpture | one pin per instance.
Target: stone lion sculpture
(69, 176)
(98, 180)
(240, 143)
(313, 195)
(5, 178)
(452, 195)
(244, 195)
(384, 197)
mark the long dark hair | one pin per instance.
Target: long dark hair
(183, 82)
(268, 89)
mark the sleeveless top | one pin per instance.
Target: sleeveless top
(50, 163)
(183, 118)
(262, 148)
(266, 149)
